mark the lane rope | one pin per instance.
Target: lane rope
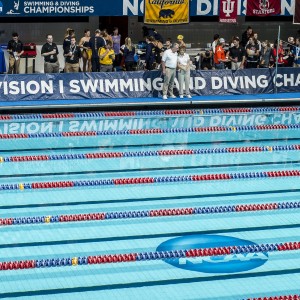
(149, 256)
(151, 213)
(164, 152)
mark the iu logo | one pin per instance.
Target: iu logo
(228, 7)
(264, 4)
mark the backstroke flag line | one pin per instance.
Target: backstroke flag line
(297, 12)
(228, 11)
(263, 8)
(166, 12)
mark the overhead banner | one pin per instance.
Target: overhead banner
(166, 12)
(123, 85)
(228, 11)
(297, 12)
(263, 8)
(44, 8)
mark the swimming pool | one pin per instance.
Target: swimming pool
(168, 204)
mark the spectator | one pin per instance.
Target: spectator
(49, 52)
(129, 52)
(237, 55)
(246, 35)
(150, 53)
(158, 51)
(169, 65)
(252, 53)
(152, 32)
(289, 53)
(183, 65)
(215, 43)
(96, 42)
(206, 60)
(280, 62)
(180, 41)
(67, 39)
(72, 55)
(106, 36)
(296, 53)
(265, 55)
(116, 39)
(257, 41)
(168, 44)
(107, 57)
(86, 51)
(219, 56)
(15, 50)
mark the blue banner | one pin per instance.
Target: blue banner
(78, 86)
(35, 8)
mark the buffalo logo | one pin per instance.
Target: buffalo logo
(166, 13)
(232, 263)
(264, 4)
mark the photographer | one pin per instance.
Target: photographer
(107, 57)
(15, 50)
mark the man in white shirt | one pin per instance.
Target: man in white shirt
(169, 65)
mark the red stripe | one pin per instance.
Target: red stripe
(5, 117)
(58, 116)
(14, 136)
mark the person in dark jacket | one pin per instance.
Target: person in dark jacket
(152, 32)
(96, 42)
(246, 35)
(15, 50)
(72, 54)
(67, 39)
(150, 53)
(49, 52)
(129, 52)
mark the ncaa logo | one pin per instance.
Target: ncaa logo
(232, 263)
(1, 7)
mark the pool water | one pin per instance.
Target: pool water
(150, 186)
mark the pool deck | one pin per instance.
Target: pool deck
(127, 102)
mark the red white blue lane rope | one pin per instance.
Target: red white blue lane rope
(152, 213)
(150, 131)
(148, 180)
(99, 155)
(148, 256)
(152, 113)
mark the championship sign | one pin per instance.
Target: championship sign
(166, 12)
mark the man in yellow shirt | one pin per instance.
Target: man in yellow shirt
(107, 57)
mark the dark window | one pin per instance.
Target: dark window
(23, 20)
(270, 19)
